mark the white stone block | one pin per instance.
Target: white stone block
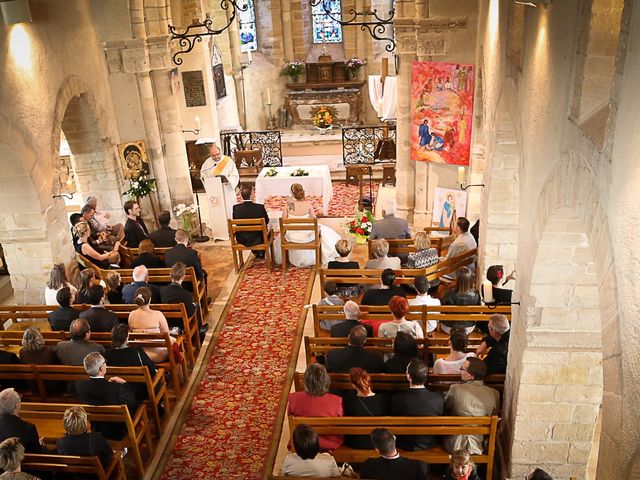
(538, 452)
(591, 394)
(539, 411)
(573, 432)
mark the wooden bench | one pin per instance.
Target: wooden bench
(440, 426)
(399, 247)
(39, 375)
(48, 417)
(367, 276)
(127, 255)
(90, 466)
(420, 313)
(448, 267)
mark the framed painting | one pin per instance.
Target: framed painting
(448, 205)
(441, 112)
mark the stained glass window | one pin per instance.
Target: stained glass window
(247, 21)
(324, 27)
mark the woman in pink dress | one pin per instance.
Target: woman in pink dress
(146, 320)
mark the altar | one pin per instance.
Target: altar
(316, 184)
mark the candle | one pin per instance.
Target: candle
(460, 175)
(197, 122)
(268, 96)
(249, 57)
(487, 291)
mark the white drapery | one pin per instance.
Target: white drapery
(385, 104)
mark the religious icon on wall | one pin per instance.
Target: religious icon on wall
(133, 156)
(441, 112)
(448, 205)
(218, 81)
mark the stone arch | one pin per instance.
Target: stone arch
(558, 354)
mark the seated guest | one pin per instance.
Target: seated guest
(461, 467)
(10, 358)
(146, 257)
(11, 425)
(425, 291)
(452, 363)
(88, 278)
(405, 349)
(100, 220)
(145, 320)
(341, 360)
(121, 354)
(399, 308)
(365, 403)
(390, 465)
(330, 288)
(390, 226)
(72, 352)
(463, 243)
(134, 229)
(425, 255)
(165, 236)
(140, 279)
(176, 293)
(34, 351)
(114, 288)
(114, 260)
(495, 274)
(182, 253)
(342, 262)
(74, 219)
(61, 318)
(11, 457)
(99, 391)
(57, 280)
(78, 441)
(418, 401)
(342, 328)
(498, 342)
(387, 290)
(99, 318)
(316, 401)
(539, 474)
(380, 250)
(470, 399)
(463, 293)
(250, 210)
(307, 461)
(89, 249)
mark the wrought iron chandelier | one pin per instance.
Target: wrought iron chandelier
(372, 22)
(188, 37)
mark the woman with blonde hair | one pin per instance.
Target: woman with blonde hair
(299, 207)
(425, 255)
(343, 248)
(11, 457)
(78, 441)
(85, 247)
(461, 467)
(381, 260)
(88, 278)
(114, 288)
(34, 351)
(57, 280)
(146, 320)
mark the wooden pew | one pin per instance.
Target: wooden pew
(40, 374)
(367, 276)
(448, 267)
(127, 255)
(90, 466)
(404, 246)
(405, 426)
(48, 417)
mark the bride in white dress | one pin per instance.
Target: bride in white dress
(298, 207)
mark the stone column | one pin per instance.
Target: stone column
(287, 30)
(236, 66)
(361, 37)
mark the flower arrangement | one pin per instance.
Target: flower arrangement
(300, 173)
(185, 214)
(361, 225)
(293, 69)
(272, 172)
(324, 116)
(140, 187)
(355, 63)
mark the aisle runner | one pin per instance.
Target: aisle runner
(228, 431)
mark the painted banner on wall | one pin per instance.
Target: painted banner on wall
(441, 112)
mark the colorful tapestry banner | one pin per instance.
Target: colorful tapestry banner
(441, 112)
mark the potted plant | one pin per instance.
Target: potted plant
(353, 66)
(323, 117)
(293, 69)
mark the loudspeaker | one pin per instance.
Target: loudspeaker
(15, 11)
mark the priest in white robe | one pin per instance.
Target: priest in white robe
(222, 166)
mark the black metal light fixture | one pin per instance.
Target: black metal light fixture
(188, 37)
(372, 22)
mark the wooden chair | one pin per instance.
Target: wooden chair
(250, 225)
(248, 161)
(297, 225)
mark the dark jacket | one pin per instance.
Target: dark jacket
(100, 319)
(496, 359)
(115, 296)
(129, 292)
(163, 237)
(176, 293)
(468, 298)
(381, 296)
(417, 402)
(396, 364)
(135, 232)
(354, 406)
(132, 357)
(248, 210)
(343, 359)
(8, 358)
(12, 426)
(149, 260)
(394, 469)
(86, 444)
(61, 318)
(186, 255)
(342, 329)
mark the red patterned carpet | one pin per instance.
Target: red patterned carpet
(343, 203)
(228, 430)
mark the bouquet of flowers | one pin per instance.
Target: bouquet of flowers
(185, 214)
(324, 116)
(354, 64)
(140, 187)
(292, 69)
(361, 225)
(272, 172)
(300, 173)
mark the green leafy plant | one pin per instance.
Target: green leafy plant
(141, 187)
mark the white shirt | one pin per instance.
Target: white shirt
(426, 299)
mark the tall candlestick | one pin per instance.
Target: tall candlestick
(460, 175)
(197, 122)
(487, 291)
(268, 96)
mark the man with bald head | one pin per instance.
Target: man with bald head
(223, 167)
(72, 352)
(140, 279)
(354, 355)
(352, 319)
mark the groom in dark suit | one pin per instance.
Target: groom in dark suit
(249, 210)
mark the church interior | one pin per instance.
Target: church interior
(516, 115)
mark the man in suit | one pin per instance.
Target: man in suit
(165, 236)
(387, 290)
(354, 355)
(390, 465)
(134, 229)
(418, 401)
(182, 253)
(249, 210)
(11, 425)
(140, 279)
(390, 226)
(176, 293)
(61, 318)
(97, 390)
(352, 315)
(99, 318)
(72, 352)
